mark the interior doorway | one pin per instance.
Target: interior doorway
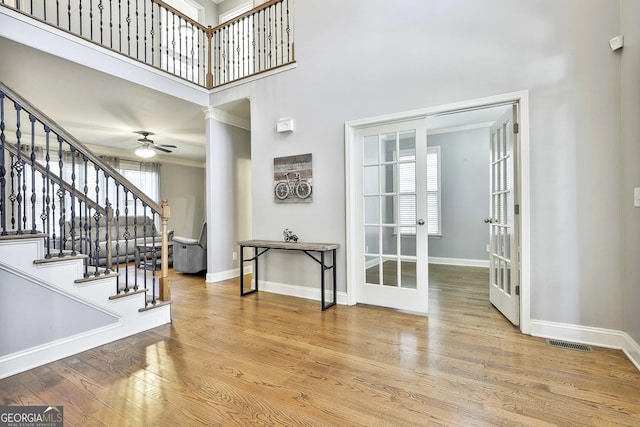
(355, 209)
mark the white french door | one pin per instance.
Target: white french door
(392, 178)
(503, 225)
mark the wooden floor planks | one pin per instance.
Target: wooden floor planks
(268, 359)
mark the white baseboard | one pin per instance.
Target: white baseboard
(599, 337)
(459, 261)
(301, 291)
(227, 275)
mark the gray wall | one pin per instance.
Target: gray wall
(33, 316)
(630, 57)
(464, 158)
(435, 52)
(184, 189)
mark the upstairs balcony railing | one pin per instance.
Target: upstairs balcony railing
(52, 186)
(158, 35)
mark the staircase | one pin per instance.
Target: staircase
(51, 311)
(69, 225)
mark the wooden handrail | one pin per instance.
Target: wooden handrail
(60, 131)
(244, 15)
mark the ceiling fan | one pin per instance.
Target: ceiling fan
(147, 145)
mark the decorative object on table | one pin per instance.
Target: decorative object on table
(292, 179)
(289, 236)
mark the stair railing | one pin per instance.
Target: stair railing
(52, 184)
(158, 35)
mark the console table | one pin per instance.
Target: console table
(311, 249)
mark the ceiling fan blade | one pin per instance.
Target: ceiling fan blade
(156, 147)
(167, 145)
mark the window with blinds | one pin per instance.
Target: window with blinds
(407, 208)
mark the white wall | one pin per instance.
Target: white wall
(464, 158)
(407, 55)
(186, 198)
(630, 58)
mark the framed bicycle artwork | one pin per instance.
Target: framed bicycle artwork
(292, 179)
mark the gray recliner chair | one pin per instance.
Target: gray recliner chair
(190, 255)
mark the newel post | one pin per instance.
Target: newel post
(165, 282)
(209, 81)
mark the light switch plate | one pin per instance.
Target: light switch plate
(636, 197)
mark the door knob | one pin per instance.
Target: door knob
(421, 222)
(488, 221)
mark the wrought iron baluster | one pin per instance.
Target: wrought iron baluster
(135, 234)
(129, 27)
(119, 25)
(270, 37)
(253, 43)
(96, 218)
(80, 15)
(3, 171)
(167, 41)
(12, 195)
(116, 223)
(126, 236)
(58, 12)
(137, 32)
(91, 19)
(173, 39)
(62, 213)
(288, 34)
(44, 8)
(69, 15)
(34, 198)
(19, 168)
(145, 261)
(101, 9)
(72, 221)
(47, 190)
(275, 31)
(107, 224)
(85, 230)
(110, 23)
(144, 26)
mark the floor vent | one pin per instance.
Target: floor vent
(570, 345)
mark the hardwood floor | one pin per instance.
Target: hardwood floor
(267, 359)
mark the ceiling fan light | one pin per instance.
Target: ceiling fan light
(145, 152)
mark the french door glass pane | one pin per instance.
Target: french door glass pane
(371, 150)
(372, 273)
(372, 240)
(408, 274)
(390, 147)
(408, 242)
(388, 179)
(389, 241)
(371, 180)
(372, 210)
(390, 272)
(389, 209)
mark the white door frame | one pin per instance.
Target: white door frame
(354, 224)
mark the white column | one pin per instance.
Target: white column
(219, 196)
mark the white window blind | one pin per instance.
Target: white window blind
(433, 191)
(407, 202)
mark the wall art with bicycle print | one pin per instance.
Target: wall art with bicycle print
(292, 179)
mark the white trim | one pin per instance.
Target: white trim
(301, 291)
(227, 275)
(253, 78)
(459, 261)
(607, 338)
(520, 97)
